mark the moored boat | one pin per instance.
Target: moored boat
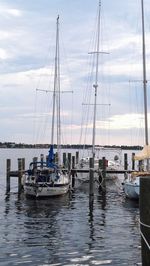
(44, 179)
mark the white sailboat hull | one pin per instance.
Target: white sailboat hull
(39, 186)
(45, 191)
(132, 188)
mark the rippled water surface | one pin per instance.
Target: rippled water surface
(69, 230)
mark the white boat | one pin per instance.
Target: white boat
(113, 165)
(110, 164)
(131, 184)
(44, 179)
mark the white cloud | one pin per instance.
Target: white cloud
(119, 122)
(4, 54)
(10, 11)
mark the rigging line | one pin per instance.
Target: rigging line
(72, 116)
(34, 118)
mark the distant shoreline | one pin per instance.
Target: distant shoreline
(12, 145)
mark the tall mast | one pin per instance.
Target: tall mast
(144, 80)
(96, 82)
(55, 83)
(58, 96)
(144, 75)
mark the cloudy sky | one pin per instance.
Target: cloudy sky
(27, 47)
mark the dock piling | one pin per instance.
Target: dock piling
(77, 157)
(8, 167)
(145, 219)
(20, 170)
(69, 162)
(104, 167)
(73, 173)
(42, 159)
(64, 160)
(133, 161)
(91, 183)
(125, 161)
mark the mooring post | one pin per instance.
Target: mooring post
(77, 157)
(145, 219)
(133, 161)
(104, 167)
(73, 172)
(42, 159)
(141, 166)
(91, 183)
(56, 157)
(125, 161)
(19, 175)
(8, 167)
(23, 164)
(35, 159)
(100, 174)
(100, 164)
(69, 162)
(64, 159)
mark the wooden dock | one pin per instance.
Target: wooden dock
(70, 164)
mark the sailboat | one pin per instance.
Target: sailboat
(131, 184)
(85, 161)
(46, 178)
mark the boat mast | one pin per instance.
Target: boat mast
(144, 75)
(56, 94)
(96, 82)
(144, 80)
(58, 97)
(55, 84)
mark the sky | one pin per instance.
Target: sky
(27, 50)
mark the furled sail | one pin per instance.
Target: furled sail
(143, 154)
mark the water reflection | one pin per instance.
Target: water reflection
(70, 230)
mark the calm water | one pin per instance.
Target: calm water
(68, 230)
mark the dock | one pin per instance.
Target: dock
(70, 164)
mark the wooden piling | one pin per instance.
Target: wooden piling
(145, 219)
(104, 167)
(73, 173)
(141, 166)
(35, 159)
(42, 159)
(91, 177)
(20, 175)
(56, 157)
(125, 161)
(8, 167)
(23, 164)
(77, 157)
(69, 161)
(64, 159)
(133, 161)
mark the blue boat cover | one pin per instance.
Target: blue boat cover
(50, 161)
